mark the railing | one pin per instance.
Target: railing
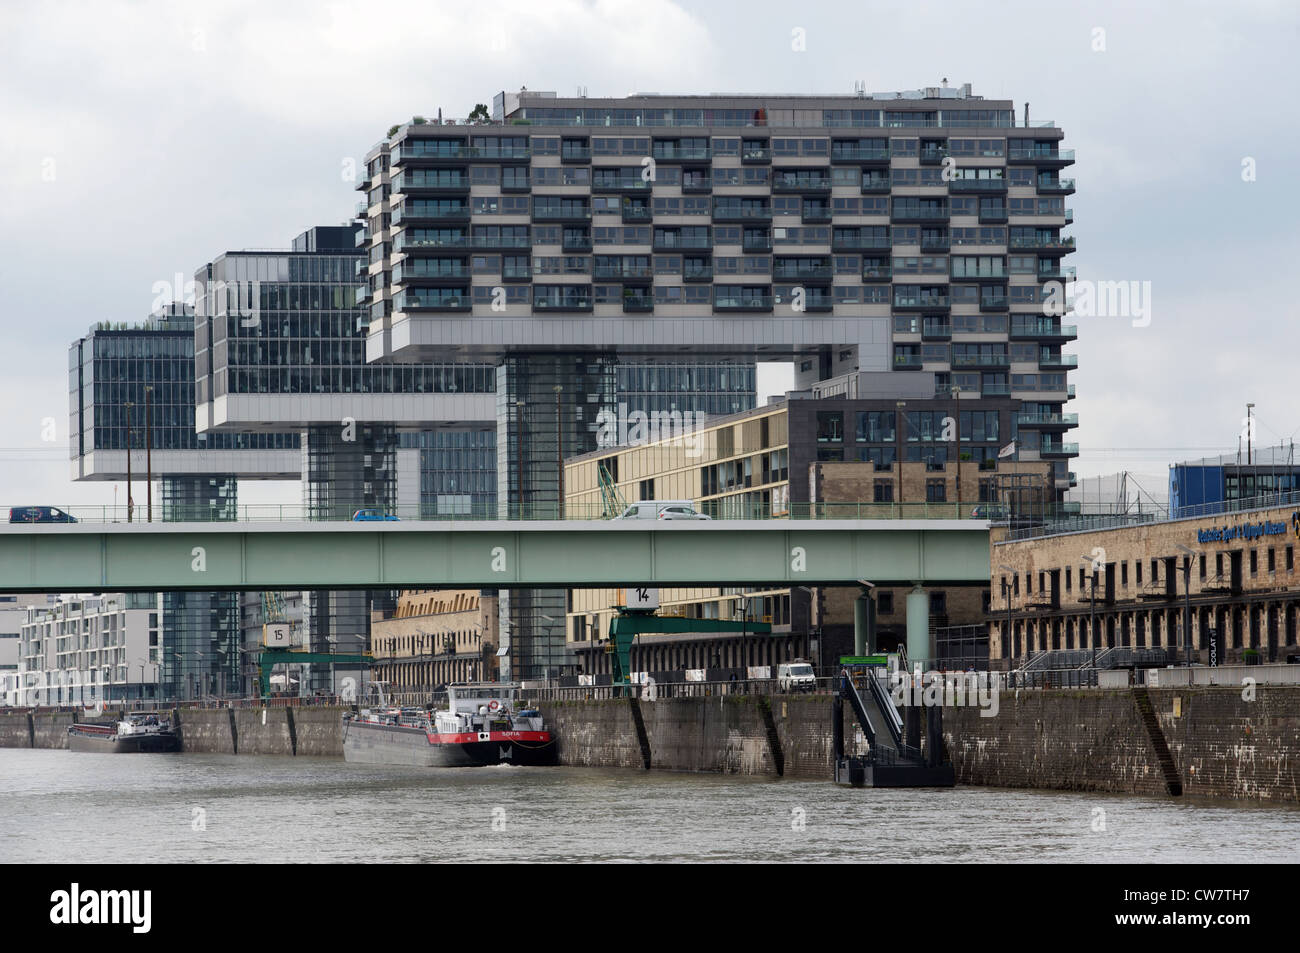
(714, 509)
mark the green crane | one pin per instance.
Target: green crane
(611, 501)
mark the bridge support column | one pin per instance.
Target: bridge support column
(918, 626)
(864, 624)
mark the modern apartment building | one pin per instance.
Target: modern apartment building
(897, 243)
(799, 458)
(88, 648)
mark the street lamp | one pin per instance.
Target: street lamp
(1187, 598)
(1007, 592)
(1092, 606)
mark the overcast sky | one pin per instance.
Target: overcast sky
(142, 139)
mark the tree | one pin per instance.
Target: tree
(479, 114)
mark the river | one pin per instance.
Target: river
(59, 806)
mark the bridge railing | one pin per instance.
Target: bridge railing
(299, 512)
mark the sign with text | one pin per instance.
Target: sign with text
(640, 597)
(1221, 534)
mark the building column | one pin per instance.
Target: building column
(918, 625)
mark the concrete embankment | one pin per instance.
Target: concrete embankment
(1211, 742)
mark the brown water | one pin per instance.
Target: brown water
(65, 807)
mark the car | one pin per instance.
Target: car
(39, 514)
(796, 676)
(662, 510)
(369, 515)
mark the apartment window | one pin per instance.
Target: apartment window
(647, 489)
(938, 603)
(884, 491)
(1041, 578)
(936, 491)
(1015, 585)
(830, 427)
(885, 603)
(1068, 580)
(1202, 567)
(1080, 578)
(1254, 562)
(1272, 565)
(1029, 584)
(1123, 573)
(1218, 564)
(1290, 559)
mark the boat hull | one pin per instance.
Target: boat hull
(365, 743)
(131, 744)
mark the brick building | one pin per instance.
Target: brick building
(434, 637)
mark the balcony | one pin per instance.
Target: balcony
(907, 362)
(697, 273)
(935, 243)
(985, 359)
(852, 243)
(1049, 362)
(636, 214)
(671, 152)
(604, 184)
(815, 214)
(933, 155)
(1041, 157)
(725, 300)
(414, 151)
(936, 331)
(670, 241)
(408, 243)
(858, 154)
(500, 241)
(1058, 450)
(576, 243)
(575, 154)
(754, 155)
(449, 300)
(697, 185)
(737, 213)
(983, 186)
(914, 213)
(416, 212)
(638, 304)
(410, 182)
(624, 272)
(876, 184)
(994, 303)
(993, 216)
(516, 273)
(430, 269)
(571, 303)
(1042, 243)
(758, 243)
(1041, 329)
(1060, 187)
(1042, 421)
(570, 213)
(813, 302)
(919, 302)
(876, 272)
(801, 184)
(818, 271)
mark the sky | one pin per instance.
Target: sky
(142, 139)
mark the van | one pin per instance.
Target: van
(39, 514)
(662, 510)
(796, 676)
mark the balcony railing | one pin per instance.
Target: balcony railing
(1047, 420)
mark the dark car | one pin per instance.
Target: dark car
(39, 514)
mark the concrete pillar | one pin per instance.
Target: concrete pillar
(918, 626)
(864, 624)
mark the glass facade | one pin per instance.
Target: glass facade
(458, 471)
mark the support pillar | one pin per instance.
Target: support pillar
(918, 626)
(864, 624)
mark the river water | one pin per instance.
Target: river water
(60, 806)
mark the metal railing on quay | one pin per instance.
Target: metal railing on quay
(664, 689)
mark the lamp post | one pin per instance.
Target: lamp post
(1006, 584)
(129, 504)
(1249, 420)
(1187, 599)
(1092, 608)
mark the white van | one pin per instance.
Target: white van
(796, 676)
(662, 510)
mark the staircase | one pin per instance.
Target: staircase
(1173, 783)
